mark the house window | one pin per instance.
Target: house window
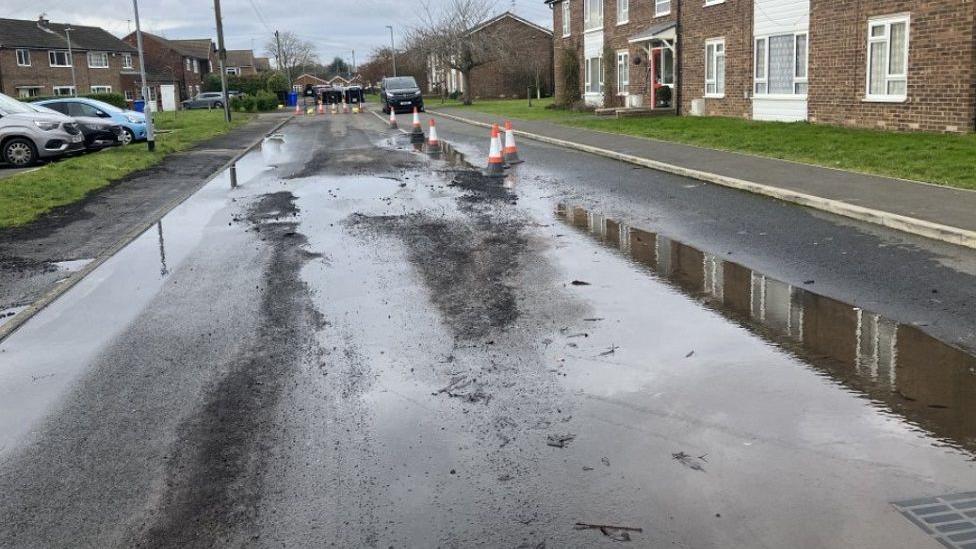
(101, 89)
(28, 91)
(234, 70)
(715, 68)
(623, 72)
(713, 2)
(97, 60)
(126, 60)
(662, 7)
(887, 78)
(196, 66)
(129, 96)
(566, 18)
(59, 58)
(781, 65)
(623, 11)
(592, 14)
(64, 90)
(23, 58)
(594, 76)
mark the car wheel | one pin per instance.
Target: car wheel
(218, 105)
(127, 136)
(19, 152)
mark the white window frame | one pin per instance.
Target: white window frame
(97, 55)
(623, 12)
(187, 64)
(127, 61)
(69, 89)
(590, 76)
(623, 76)
(23, 57)
(23, 92)
(129, 96)
(887, 21)
(196, 66)
(713, 2)
(592, 23)
(714, 43)
(567, 29)
(101, 89)
(658, 12)
(761, 81)
(233, 71)
(51, 54)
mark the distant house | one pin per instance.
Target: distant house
(262, 64)
(241, 63)
(34, 59)
(184, 63)
(526, 63)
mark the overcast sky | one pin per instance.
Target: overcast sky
(336, 27)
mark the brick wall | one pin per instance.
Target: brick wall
(529, 50)
(733, 21)
(941, 80)
(41, 73)
(617, 37)
(574, 42)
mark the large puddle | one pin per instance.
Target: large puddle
(899, 367)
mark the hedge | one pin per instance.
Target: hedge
(116, 99)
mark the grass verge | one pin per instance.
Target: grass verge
(943, 159)
(26, 196)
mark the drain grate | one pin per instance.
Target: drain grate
(950, 519)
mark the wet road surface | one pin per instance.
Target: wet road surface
(359, 345)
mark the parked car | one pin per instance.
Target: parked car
(28, 135)
(99, 132)
(133, 123)
(401, 93)
(205, 100)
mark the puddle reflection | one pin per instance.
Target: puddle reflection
(928, 382)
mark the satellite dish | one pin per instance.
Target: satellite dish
(637, 60)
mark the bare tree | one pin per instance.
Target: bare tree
(294, 53)
(449, 37)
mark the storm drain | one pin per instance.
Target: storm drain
(951, 519)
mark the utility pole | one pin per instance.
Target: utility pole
(353, 70)
(150, 133)
(392, 48)
(281, 60)
(222, 57)
(71, 61)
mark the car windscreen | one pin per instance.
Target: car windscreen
(400, 83)
(10, 105)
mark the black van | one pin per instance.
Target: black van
(401, 93)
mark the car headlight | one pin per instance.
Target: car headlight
(134, 119)
(47, 126)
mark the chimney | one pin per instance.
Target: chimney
(42, 20)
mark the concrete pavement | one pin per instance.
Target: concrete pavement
(936, 212)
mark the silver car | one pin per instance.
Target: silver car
(27, 135)
(206, 100)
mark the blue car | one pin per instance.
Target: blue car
(133, 123)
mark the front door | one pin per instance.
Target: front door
(662, 77)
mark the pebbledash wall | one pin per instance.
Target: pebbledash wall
(794, 60)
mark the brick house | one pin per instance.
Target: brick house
(892, 64)
(241, 63)
(185, 63)
(526, 61)
(34, 59)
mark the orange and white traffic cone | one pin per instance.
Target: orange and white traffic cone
(511, 151)
(298, 108)
(496, 165)
(321, 108)
(417, 135)
(433, 144)
(393, 120)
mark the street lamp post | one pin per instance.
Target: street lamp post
(71, 61)
(147, 110)
(392, 49)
